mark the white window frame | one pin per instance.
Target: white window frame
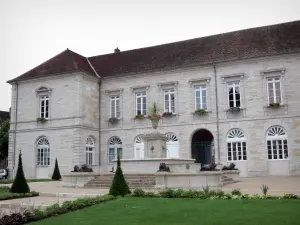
(169, 93)
(277, 138)
(43, 152)
(44, 108)
(114, 144)
(90, 151)
(236, 139)
(143, 97)
(234, 85)
(114, 113)
(201, 89)
(273, 81)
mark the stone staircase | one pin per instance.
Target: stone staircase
(133, 180)
(227, 180)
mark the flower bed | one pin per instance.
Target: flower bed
(207, 194)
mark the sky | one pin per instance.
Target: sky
(33, 31)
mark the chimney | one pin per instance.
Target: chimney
(117, 50)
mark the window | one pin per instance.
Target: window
(139, 147)
(200, 97)
(277, 143)
(90, 151)
(44, 107)
(141, 103)
(172, 146)
(115, 106)
(43, 152)
(274, 90)
(236, 145)
(169, 101)
(114, 149)
(234, 98)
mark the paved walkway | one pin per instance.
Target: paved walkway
(53, 192)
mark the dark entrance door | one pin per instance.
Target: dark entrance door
(202, 147)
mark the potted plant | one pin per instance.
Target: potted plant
(41, 119)
(274, 105)
(154, 116)
(113, 120)
(234, 109)
(201, 112)
(167, 114)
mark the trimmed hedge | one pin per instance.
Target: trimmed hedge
(207, 194)
(20, 184)
(37, 214)
(119, 186)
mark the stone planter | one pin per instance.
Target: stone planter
(154, 121)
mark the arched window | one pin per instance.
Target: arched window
(90, 151)
(43, 152)
(277, 143)
(114, 148)
(139, 147)
(236, 145)
(172, 146)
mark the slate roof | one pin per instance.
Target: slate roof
(255, 42)
(66, 61)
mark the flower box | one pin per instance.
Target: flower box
(113, 120)
(201, 112)
(41, 119)
(167, 114)
(274, 105)
(234, 109)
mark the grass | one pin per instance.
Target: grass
(6, 195)
(28, 181)
(159, 211)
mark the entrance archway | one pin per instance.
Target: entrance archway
(202, 147)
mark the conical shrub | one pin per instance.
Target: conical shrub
(119, 187)
(20, 184)
(56, 174)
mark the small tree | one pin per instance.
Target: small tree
(119, 187)
(20, 184)
(56, 174)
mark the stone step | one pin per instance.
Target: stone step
(108, 186)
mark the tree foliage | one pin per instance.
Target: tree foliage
(4, 129)
(119, 187)
(20, 184)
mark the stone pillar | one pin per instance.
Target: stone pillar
(155, 145)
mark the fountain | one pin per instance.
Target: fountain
(170, 172)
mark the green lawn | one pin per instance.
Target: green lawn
(5, 194)
(158, 211)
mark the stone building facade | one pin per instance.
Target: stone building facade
(225, 98)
